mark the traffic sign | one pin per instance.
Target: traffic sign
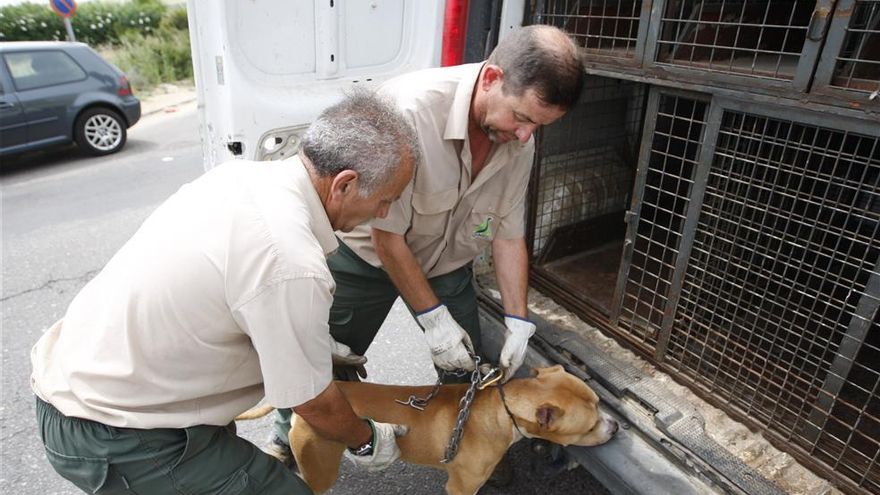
(64, 8)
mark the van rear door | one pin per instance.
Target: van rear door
(265, 69)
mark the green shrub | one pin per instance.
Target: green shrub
(151, 60)
(95, 23)
(30, 21)
(175, 18)
(148, 41)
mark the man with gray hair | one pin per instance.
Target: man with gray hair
(220, 299)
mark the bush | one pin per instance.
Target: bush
(29, 21)
(148, 41)
(95, 23)
(175, 18)
(151, 60)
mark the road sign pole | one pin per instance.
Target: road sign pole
(65, 9)
(69, 26)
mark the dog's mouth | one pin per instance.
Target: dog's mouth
(604, 429)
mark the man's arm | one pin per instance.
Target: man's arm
(403, 269)
(331, 416)
(451, 347)
(512, 272)
(294, 347)
(511, 260)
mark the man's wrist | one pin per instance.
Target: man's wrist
(365, 449)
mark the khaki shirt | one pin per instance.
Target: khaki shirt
(223, 293)
(447, 218)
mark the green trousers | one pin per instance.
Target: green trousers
(364, 296)
(106, 460)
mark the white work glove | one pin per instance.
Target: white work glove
(345, 361)
(515, 344)
(449, 343)
(385, 449)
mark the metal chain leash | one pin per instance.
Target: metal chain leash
(421, 403)
(478, 382)
(464, 411)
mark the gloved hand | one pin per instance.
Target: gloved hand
(515, 344)
(449, 342)
(385, 449)
(347, 365)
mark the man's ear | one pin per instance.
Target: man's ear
(491, 75)
(344, 183)
(546, 414)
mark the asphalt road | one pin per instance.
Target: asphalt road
(64, 215)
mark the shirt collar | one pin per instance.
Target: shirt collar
(318, 215)
(457, 122)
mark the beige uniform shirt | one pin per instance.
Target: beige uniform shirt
(446, 216)
(223, 292)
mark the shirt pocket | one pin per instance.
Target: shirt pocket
(486, 217)
(431, 211)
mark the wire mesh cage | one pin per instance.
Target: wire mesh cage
(751, 267)
(673, 155)
(607, 28)
(762, 38)
(584, 180)
(775, 309)
(776, 312)
(857, 67)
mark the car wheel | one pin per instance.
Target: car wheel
(100, 131)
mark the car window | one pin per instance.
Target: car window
(42, 68)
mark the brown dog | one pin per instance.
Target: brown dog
(552, 405)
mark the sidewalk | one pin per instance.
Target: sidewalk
(167, 97)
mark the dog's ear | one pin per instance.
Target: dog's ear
(546, 414)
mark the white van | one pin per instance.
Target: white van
(702, 226)
(265, 69)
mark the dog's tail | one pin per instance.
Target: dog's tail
(254, 413)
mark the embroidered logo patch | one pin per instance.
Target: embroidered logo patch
(484, 229)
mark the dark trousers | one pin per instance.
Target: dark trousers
(106, 460)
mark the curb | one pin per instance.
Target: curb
(169, 105)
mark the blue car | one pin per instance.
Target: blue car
(54, 93)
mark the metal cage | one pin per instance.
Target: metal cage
(583, 184)
(728, 236)
(851, 60)
(751, 266)
(605, 28)
(758, 38)
(777, 313)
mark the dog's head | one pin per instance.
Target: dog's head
(566, 410)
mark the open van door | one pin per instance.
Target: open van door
(265, 70)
